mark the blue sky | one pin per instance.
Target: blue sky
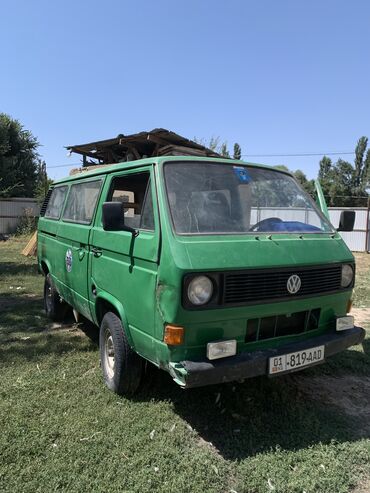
(279, 77)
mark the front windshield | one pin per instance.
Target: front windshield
(209, 198)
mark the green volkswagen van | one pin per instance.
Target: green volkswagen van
(211, 269)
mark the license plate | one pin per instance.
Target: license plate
(293, 361)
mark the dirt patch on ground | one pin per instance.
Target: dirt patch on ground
(76, 329)
(362, 316)
(363, 487)
(350, 394)
(362, 261)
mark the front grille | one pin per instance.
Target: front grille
(271, 284)
(259, 329)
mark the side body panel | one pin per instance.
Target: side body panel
(64, 248)
(71, 265)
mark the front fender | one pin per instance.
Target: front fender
(104, 297)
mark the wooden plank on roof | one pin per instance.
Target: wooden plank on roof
(142, 143)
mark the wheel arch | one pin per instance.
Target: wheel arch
(44, 267)
(104, 303)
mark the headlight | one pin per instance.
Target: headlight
(347, 275)
(200, 290)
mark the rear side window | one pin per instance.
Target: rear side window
(55, 204)
(81, 202)
(134, 192)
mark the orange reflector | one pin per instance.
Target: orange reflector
(349, 306)
(173, 335)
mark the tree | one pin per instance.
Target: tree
(361, 178)
(42, 182)
(325, 168)
(221, 148)
(307, 185)
(214, 144)
(282, 167)
(345, 184)
(18, 158)
(224, 151)
(237, 151)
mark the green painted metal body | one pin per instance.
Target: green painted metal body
(141, 278)
(321, 198)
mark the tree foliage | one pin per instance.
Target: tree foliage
(18, 159)
(237, 151)
(42, 182)
(216, 145)
(306, 184)
(345, 184)
(224, 150)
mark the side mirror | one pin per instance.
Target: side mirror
(113, 218)
(347, 221)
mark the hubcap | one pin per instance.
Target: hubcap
(109, 353)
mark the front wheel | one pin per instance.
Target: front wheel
(122, 367)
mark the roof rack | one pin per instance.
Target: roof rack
(157, 142)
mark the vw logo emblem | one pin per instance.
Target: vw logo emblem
(293, 284)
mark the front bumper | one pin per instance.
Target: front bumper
(251, 364)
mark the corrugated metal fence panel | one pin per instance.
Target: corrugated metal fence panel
(356, 239)
(292, 214)
(12, 209)
(361, 216)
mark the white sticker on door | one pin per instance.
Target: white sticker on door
(69, 260)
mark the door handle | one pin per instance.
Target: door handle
(81, 252)
(96, 252)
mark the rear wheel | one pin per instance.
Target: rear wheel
(55, 307)
(122, 367)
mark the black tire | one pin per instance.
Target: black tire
(122, 367)
(55, 308)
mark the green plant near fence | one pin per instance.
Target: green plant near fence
(27, 223)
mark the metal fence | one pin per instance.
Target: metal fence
(13, 209)
(358, 240)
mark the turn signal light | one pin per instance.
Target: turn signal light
(173, 335)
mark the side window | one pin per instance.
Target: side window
(81, 202)
(134, 192)
(147, 216)
(55, 204)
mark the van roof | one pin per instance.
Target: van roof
(110, 168)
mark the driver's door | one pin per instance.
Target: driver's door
(124, 265)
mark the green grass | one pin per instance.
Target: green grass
(62, 430)
(362, 289)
